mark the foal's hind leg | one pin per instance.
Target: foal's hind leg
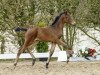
(50, 54)
(33, 57)
(26, 44)
(19, 52)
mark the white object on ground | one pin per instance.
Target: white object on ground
(98, 57)
(62, 56)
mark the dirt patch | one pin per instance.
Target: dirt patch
(55, 68)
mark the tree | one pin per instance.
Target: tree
(16, 13)
(24, 13)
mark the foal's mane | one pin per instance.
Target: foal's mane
(56, 20)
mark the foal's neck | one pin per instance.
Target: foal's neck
(60, 25)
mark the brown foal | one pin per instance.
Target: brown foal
(51, 33)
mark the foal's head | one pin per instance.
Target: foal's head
(67, 18)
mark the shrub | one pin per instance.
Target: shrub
(42, 47)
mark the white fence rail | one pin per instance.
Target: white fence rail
(62, 56)
(27, 55)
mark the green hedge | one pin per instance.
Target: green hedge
(42, 47)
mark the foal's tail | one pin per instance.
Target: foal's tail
(20, 29)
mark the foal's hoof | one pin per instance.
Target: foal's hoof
(33, 62)
(67, 61)
(47, 65)
(15, 64)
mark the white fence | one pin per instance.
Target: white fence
(62, 56)
(27, 55)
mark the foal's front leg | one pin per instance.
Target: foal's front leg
(69, 54)
(50, 53)
(59, 41)
(63, 44)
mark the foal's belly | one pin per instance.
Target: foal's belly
(46, 34)
(47, 38)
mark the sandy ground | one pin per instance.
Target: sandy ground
(55, 68)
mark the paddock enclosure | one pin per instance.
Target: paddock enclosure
(55, 68)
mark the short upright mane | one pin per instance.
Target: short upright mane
(56, 19)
